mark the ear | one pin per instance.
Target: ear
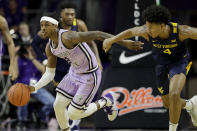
(56, 26)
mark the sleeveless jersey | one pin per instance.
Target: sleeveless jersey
(62, 65)
(165, 51)
(81, 57)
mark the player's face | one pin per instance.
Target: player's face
(154, 29)
(47, 28)
(67, 16)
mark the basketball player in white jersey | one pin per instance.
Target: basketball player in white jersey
(77, 89)
(5, 34)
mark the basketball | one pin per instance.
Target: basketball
(19, 94)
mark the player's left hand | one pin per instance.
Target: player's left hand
(133, 45)
(107, 44)
(12, 73)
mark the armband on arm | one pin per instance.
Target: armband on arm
(47, 77)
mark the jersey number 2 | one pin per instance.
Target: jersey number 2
(167, 51)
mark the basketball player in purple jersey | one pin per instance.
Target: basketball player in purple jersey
(4, 33)
(68, 21)
(78, 87)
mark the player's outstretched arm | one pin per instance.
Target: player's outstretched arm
(77, 37)
(49, 74)
(186, 32)
(136, 31)
(70, 39)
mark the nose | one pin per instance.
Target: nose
(70, 16)
(42, 28)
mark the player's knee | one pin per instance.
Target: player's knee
(58, 105)
(73, 113)
(166, 105)
(174, 96)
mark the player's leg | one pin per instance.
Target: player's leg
(163, 83)
(108, 101)
(80, 106)
(185, 103)
(66, 89)
(177, 77)
(60, 108)
(175, 102)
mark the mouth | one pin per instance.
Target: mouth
(43, 32)
(70, 22)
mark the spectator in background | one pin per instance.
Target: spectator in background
(14, 11)
(29, 70)
(24, 35)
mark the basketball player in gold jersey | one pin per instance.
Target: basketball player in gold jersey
(172, 58)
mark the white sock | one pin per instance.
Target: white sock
(102, 102)
(172, 127)
(92, 107)
(188, 105)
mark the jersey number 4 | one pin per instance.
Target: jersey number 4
(167, 51)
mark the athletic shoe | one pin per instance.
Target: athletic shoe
(111, 108)
(193, 111)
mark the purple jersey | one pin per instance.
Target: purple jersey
(81, 57)
(28, 73)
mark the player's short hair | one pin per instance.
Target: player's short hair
(53, 15)
(157, 14)
(68, 5)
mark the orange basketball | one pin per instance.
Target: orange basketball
(19, 94)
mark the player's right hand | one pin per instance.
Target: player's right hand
(32, 89)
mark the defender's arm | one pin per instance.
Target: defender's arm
(136, 31)
(186, 32)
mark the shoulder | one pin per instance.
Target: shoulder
(68, 38)
(80, 22)
(82, 25)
